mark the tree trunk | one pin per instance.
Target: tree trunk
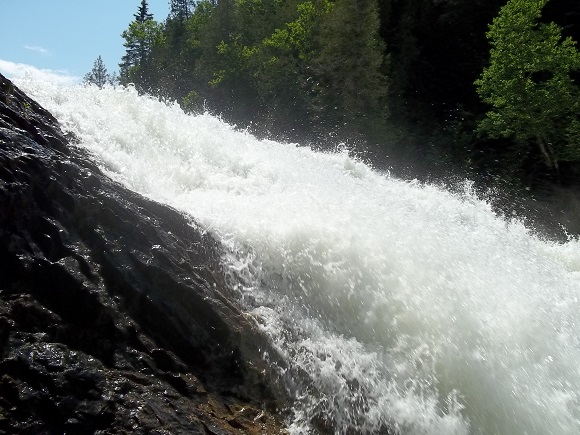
(548, 153)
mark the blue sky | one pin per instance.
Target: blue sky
(64, 37)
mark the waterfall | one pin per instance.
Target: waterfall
(396, 305)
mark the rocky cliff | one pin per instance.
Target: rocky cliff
(113, 309)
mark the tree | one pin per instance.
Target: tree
(143, 13)
(174, 58)
(283, 60)
(181, 9)
(98, 75)
(254, 57)
(351, 65)
(528, 83)
(219, 65)
(139, 40)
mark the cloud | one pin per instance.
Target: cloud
(23, 71)
(38, 49)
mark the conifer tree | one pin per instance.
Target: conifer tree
(351, 64)
(181, 9)
(139, 39)
(98, 75)
(143, 14)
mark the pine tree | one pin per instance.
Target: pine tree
(98, 75)
(139, 39)
(143, 14)
(181, 9)
(350, 65)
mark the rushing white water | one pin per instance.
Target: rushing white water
(395, 304)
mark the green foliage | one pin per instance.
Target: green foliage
(528, 84)
(296, 37)
(98, 76)
(143, 14)
(215, 39)
(181, 9)
(143, 33)
(351, 63)
(349, 67)
(191, 102)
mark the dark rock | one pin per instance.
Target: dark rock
(113, 309)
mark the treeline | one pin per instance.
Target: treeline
(428, 80)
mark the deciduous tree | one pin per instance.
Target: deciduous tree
(528, 83)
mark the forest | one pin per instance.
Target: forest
(488, 89)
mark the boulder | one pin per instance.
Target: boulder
(114, 313)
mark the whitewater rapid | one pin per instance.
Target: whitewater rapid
(395, 304)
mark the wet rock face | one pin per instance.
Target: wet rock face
(112, 314)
